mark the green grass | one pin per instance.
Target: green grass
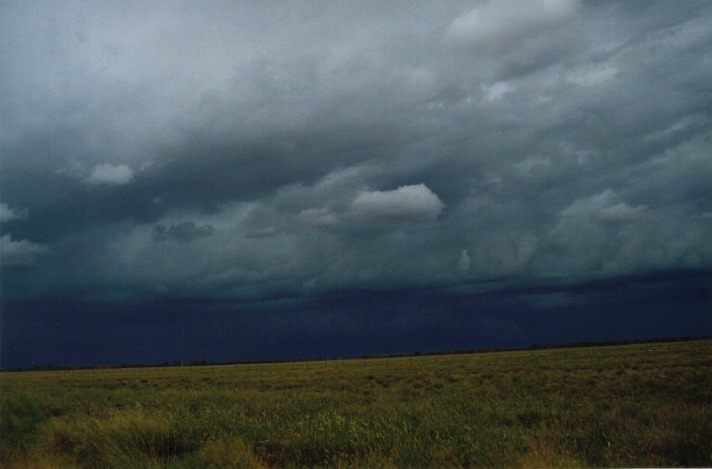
(637, 405)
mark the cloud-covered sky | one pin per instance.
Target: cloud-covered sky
(247, 151)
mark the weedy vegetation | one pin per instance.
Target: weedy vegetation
(633, 405)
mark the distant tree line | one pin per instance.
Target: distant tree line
(205, 362)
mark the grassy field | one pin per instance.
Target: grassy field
(636, 405)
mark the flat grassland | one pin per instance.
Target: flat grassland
(633, 405)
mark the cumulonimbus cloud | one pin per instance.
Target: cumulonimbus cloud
(407, 203)
(531, 120)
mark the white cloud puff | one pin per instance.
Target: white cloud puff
(20, 253)
(503, 21)
(110, 175)
(407, 203)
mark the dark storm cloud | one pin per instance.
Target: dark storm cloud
(241, 151)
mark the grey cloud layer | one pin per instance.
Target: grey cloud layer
(248, 150)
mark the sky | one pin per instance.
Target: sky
(252, 180)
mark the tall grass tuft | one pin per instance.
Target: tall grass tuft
(133, 439)
(20, 417)
(229, 452)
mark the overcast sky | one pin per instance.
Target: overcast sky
(235, 151)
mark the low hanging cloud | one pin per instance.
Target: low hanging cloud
(407, 203)
(463, 263)
(20, 253)
(111, 175)
(604, 209)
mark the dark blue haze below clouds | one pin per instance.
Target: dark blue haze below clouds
(349, 324)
